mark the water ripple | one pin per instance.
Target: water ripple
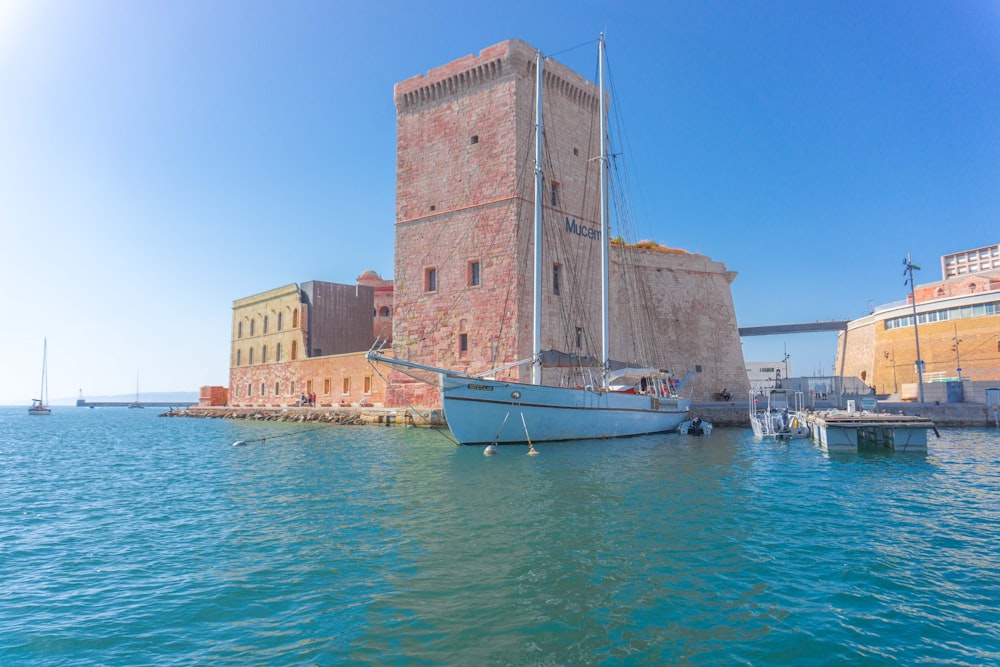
(128, 539)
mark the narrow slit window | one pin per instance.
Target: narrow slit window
(555, 279)
(430, 280)
(473, 273)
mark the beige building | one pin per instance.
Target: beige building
(958, 323)
(306, 344)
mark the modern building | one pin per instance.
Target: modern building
(957, 321)
(464, 245)
(767, 374)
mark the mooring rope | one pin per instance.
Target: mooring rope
(283, 435)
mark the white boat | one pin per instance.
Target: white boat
(772, 415)
(40, 406)
(622, 402)
(696, 426)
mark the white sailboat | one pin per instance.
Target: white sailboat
(625, 402)
(136, 403)
(40, 406)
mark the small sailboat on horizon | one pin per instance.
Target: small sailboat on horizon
(40, 406)
(136, 403)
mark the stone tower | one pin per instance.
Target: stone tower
(464, 243)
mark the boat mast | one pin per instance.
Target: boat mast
(536, 346)
(43, 393)
(605, 229)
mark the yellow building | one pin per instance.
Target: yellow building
(957, 324)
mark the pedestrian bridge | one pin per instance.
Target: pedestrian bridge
(811, 327)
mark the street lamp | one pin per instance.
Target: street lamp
(891, 358)
(958, 360)
(910, 268)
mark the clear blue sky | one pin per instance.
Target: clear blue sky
(159, 159)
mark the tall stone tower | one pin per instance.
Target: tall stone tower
(464, 241)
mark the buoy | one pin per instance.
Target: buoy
(531, 450)
(239, 442)
(491, 450)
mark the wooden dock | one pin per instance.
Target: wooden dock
(846, 431)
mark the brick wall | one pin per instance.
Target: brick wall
(283, 384)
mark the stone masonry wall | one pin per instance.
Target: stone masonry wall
(465, 194)
(283, 384)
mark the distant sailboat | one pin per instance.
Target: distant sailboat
(136, 403)
(40, 406)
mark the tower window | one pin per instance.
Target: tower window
(265, 324)
(239, 330)
(579, 337)
(277, 352)
(238, 356)
(263, 354)
(430, 280)
(279, 321)
(473, 273)
(252, 327)
(463, 343)
(475, 139)
(555, 193)
(250, 357)
(555, 279)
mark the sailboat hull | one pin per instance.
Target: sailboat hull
(487, 411)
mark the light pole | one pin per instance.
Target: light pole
(786, 361)
(910, 268)
(958, 360)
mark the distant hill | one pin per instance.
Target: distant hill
(144, 397)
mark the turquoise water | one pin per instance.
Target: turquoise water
(130, 539)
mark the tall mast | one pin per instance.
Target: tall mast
(536, 346)
(605, 229)
(44, 391)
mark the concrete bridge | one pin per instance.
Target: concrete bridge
(811, 327)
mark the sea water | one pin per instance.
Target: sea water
(131, 539)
